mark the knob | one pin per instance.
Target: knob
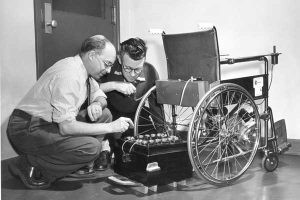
(53, 24)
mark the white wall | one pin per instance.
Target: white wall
(245, 28)
(18, 68)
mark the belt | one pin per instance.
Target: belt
(27, 116)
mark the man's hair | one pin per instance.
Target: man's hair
(134, 47)
(97, 42)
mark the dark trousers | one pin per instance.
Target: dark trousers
(53, 154)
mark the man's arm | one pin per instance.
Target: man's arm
(101, 101)
(124, 88)
(94, 110)
(108, 86)
(77, 128)
(65, 95)
(82, 128)
(98, 103)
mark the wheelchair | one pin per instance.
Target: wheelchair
(219, 119)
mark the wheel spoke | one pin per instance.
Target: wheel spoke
(224, 136)
(162, 118)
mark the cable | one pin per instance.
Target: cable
(123, 145)
(183, 91)
(132, 146)
(272, 68)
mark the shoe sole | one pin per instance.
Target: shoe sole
(100, 170)
(15, 172)
(86, 175)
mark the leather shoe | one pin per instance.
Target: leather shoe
(29, 175)
(102, 162)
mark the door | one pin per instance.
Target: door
(62, 25)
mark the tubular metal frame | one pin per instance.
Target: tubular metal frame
(268, 114)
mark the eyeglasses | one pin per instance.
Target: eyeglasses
(107, 64)
(129, 69)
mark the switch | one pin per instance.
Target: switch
(258, 84)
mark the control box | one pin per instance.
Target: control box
(174, 92)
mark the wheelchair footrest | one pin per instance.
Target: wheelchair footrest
(284, 147)
(281, 134)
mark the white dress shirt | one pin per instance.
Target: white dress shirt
(61, 90)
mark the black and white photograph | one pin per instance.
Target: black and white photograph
(150, 99)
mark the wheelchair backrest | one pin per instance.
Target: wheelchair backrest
(193, 54)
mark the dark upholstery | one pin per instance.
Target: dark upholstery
(193, 54)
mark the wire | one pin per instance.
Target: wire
(183, 90)
(132, 146)
(124, 144)
(272, 68)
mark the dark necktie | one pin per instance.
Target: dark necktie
(88, 83)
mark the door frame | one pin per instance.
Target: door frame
(39, 22)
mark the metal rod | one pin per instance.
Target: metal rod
(266, 103)
(174, 119)
(230, 61)
(267, 110)
(241, 59)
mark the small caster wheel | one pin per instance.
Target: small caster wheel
(270, 162)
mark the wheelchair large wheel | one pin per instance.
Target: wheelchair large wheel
(152, 117)
(224, 134)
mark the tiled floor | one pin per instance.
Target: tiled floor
(255, 184)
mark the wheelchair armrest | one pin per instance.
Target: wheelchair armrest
(274, 59)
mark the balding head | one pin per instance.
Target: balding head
(96, 42)
(98, 37)
(98, 55)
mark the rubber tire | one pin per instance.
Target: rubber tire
(270, 162)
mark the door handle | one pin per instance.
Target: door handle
(53, 24)
(49, 22)
(113, 15)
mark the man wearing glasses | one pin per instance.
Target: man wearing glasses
(129, 79)
(46, 128)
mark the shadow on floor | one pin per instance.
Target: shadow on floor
(283, 183)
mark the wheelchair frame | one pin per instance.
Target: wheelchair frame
(270, 144)
(213, 96)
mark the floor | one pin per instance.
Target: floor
(255, 184)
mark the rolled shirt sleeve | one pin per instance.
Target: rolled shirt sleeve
(65, 99)
(95, 90)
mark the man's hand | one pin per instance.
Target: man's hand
(125, 88)
(121, 125)
(94, 111)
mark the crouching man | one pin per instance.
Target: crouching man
(44, 129)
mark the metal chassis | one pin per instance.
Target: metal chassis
(270, 145)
